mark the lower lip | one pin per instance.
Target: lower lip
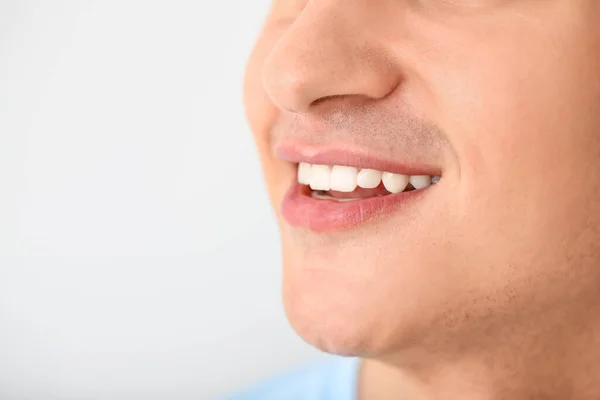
(301, 210)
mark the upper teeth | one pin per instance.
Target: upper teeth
(346, 179)
(368, 178)
(394, 183)
(420, 181)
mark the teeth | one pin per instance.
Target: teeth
(343, 179)
(346, 179)
(368, 178)
(320, 177)
(304, 173)
(395, 183)
(420, 181)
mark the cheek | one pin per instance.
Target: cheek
(516, 105)
(517, 109)
(529, 150)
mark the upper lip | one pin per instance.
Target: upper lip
(352, 157)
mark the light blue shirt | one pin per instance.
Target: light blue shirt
(332, 379)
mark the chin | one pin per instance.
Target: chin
(340, 312)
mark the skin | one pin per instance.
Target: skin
(489, 286)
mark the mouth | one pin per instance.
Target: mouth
(329, 197)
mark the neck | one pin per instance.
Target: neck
(559, 360)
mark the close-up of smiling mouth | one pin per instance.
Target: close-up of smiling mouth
(300, 200)
(327, 195)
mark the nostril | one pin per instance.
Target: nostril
(325, 98)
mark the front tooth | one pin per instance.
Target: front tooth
(320, 177)
(420, 181)
(394, 183)
(304, 173)
(368, 178)
(343, 179)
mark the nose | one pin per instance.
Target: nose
(331, 49)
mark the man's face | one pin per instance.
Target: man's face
(499, 98)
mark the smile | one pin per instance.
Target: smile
(345, 183)
(330, 197)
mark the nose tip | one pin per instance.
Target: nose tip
(321, 55)
(290, 87)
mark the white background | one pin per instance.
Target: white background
(138, 255)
